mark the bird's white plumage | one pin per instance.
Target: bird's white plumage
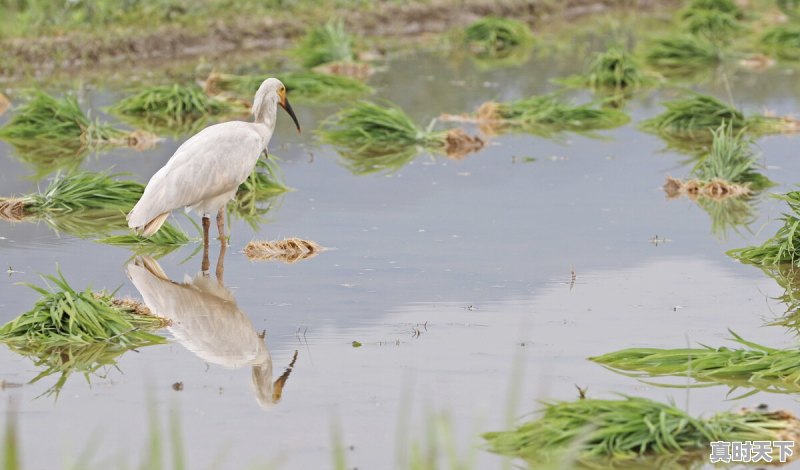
(205, 172)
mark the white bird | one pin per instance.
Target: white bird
(206, 170)
(206, 320)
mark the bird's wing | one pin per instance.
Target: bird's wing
(212, 162)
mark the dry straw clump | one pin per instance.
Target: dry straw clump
(694, 188)
(13, 209)
(4, 104)
(459, 144)
(288, 250)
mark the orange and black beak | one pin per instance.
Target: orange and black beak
(285, 105)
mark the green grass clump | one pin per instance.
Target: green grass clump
(63, 316)
(84, 191)
(326, 44)
(755, 366)
(547, 115)
(698, 115)
(714, 19)
(782, 41)
(369, 128)
(256, 197)
(631, 428)
(790, 8)
(69, 331)
(784, 245)
(731, 159)
(170, 107)
(496, 37)
(302, 86)
(44, 117)
(614, 70)
(681, 54)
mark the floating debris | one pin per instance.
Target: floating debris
(631, 430)
(303, 86)
(698, 115)
(756, 366)
(369, 130)
(614, 70)
(288, 250)
(496, 37)
(45, 118)
(542, 115)
(325, 44)
(784, 245)
(782, 41)
(680, 55)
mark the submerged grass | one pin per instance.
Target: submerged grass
(698, 115)
(383, 136)
(326, 44)
(632, 428)
(782, 42)
(754, 366)
(496, 37)
(302, 85)
(783, 246)
(614, 70)
(167, 239)
(681, 54)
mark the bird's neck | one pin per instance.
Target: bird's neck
(266, 114)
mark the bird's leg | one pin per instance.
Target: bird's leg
(221, 225)
(221, 262)
(206, 225)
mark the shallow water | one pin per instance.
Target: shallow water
(456, 277)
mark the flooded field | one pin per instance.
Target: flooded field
(452, 295)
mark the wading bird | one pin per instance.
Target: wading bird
(205, 172)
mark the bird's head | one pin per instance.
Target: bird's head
(269, 93)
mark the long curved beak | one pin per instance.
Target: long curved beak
(284, 102)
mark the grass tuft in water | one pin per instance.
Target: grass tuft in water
(302, 85)
(257, 195)
(172, 107)
(754, 366)
(64, 316)
(714, 19)
(326, 44)
(45, 118)
(496, 37)
(614, 70)
(782, 42)
(698, 115)
(167, 239)
(784, 245)
(681, 54)
(373, 136)
(632, 428)
(547, 115)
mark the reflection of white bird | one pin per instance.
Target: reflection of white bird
(206, 320)
(205, 172)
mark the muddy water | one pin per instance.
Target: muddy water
(455, 276)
